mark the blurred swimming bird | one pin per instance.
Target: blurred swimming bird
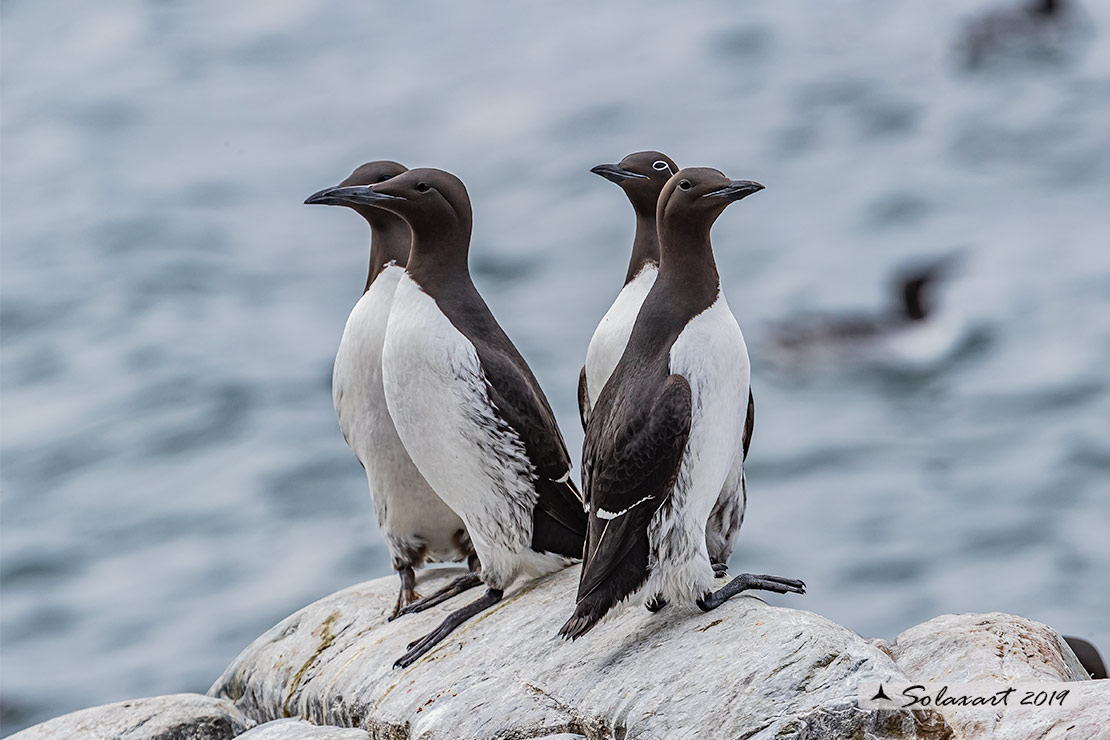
(415, 523)
(466, 404)
(1040, 31)
(911, 331)
(667, 428)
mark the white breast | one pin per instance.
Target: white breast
(409, 512)
(710, 353)
(436, 393)
(356, 379)
(611, 336)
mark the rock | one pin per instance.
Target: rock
(1002, 648)
(298, 729)
(745, 670)
(173, 717)
(985, 647)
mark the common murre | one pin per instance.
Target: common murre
(466, 404)
(641, 176)
(668, 426)
(1045, 32)
(910, 333)
(416, 524)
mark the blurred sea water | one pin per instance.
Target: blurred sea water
(173, 478)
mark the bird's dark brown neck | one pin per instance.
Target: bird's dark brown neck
(686, 264)
(645, 247)
(442, 273)
(440, 259)
(687, 285)
(389, 242)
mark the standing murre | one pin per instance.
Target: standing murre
(667, 427)
(641, 176)
(416, 524)
(466, 404)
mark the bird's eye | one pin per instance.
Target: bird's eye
(684, 185)
(383, 178)
(423, 187)
(660, 166)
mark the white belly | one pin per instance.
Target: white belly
(436, 393)
(728, 513)
(710, 353)
(411, 515)
(611, 336)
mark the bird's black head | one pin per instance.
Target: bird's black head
(694, 198)
(429, 200)
(370, 173)
(641, 175)
(436, 207)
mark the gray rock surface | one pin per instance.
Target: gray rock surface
(966, 648)
(985, 647)
(745, 670)
(172, 717)
(299, 729)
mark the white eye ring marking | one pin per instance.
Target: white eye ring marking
(660, 165)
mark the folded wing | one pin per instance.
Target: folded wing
(629, 472)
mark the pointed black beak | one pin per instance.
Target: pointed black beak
(613, 173)
(356, 195)
(323, 198)
(735, 190)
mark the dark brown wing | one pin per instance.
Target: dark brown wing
(559, 521)
(629, 473)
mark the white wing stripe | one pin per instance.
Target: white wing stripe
(603, 514)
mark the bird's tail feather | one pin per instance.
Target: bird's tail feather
(587, 613)
(605, 584)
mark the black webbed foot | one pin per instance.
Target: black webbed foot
(454, 619)
(748, 582)
(655, 604)
(454, 588)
